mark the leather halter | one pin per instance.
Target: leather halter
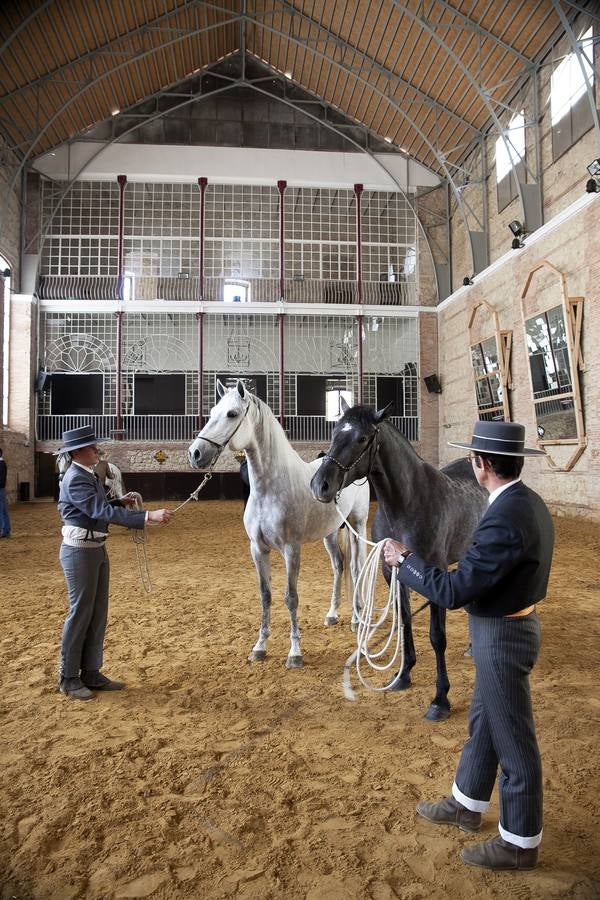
(366, 449)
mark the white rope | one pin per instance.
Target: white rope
(370, 618)
(139, 539)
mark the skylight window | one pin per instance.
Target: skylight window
(511, 152)
(567, 84)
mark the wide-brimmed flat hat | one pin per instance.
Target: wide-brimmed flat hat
(503, 438)
(77, 438)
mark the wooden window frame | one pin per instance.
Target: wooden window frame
(573, 317)
(503, 349)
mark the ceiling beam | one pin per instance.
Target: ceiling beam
(107, 49)
(470, 25)
(339, 43)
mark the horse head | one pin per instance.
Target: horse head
(353, 448)
(228, 424)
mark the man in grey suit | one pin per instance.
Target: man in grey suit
(86, 513)
(501, 577)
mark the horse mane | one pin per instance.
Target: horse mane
(269, 426)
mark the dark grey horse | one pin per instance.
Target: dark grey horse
(432, 511)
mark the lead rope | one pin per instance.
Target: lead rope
(139, 539)
(194, 494)
(370, 618)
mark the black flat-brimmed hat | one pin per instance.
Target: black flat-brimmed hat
(77, 438)
(504, 438)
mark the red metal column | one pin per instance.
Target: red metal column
(358, 189)
(118, 431)
(200, 323)
(202, 182)
(359, 322)
(281, 186)
(281, 322)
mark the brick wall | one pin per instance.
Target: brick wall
(563, 180)
(573, 249)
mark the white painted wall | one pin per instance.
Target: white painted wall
(232, 165)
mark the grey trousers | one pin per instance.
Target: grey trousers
(502, 729)
(87, 575)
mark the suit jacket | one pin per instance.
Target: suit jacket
(2, 473)
(82, 502)
(505, 569)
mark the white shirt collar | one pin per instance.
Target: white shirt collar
(85, 468)
(495, 494)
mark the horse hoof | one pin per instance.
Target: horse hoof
(403, 683)
(257, 656)
(294, 662)
(437, 713)
(331, 620)
(353, 627)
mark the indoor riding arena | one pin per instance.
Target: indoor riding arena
(241, 220)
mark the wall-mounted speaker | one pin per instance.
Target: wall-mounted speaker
(43, 381)
(432, 383)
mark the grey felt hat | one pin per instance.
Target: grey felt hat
(77, 438)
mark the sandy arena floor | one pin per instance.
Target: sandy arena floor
(212, 778)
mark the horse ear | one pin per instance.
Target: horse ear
(241, 389)
(343, 405)
(382, 413)
(221, 389)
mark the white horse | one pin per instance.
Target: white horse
(281, 513)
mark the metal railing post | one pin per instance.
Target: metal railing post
(281, 186)
(118, 433)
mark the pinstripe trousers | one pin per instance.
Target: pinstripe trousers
(87, 572)
(502, 729)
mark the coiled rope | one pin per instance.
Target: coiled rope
(369, 619)
(139, 539)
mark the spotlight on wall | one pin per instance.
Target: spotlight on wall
(467, 280)
(594, 168)
(6, 273)
(519, 232)
(516, 228)
(592, 186)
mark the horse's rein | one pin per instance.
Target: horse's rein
(209, 473)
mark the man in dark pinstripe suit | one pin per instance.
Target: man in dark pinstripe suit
(503, 574)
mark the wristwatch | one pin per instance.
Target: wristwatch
(403, 556)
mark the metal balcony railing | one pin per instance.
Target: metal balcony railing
(171, 428)
(261, 290)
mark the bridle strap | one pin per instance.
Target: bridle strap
(221, 447)
(359, 457)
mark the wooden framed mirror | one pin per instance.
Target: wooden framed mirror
(490, 350)
(552, 323)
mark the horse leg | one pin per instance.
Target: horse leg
(292, 565)
(410, 657)
(337, 564)
(440, 705)
(262, 561)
